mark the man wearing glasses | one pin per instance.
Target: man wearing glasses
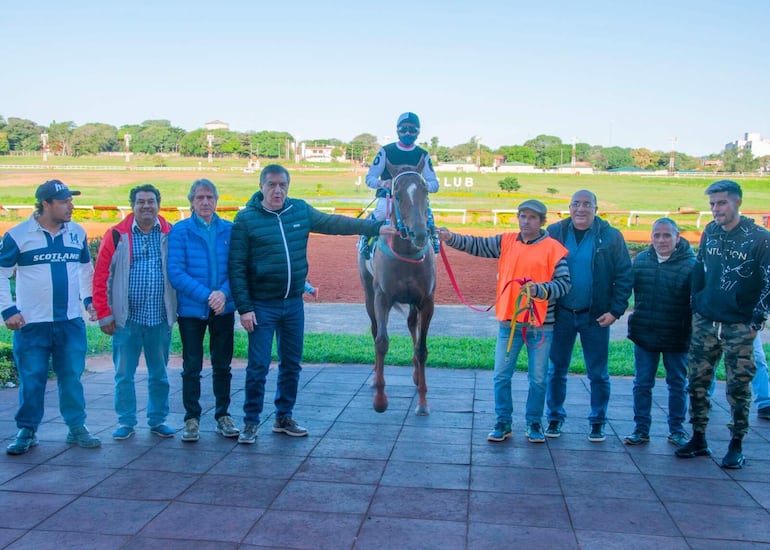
(404, 151)
(602, 279)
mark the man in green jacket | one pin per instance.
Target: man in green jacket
(267, 266)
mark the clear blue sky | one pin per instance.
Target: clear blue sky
(633, 74)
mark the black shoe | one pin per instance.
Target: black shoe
(597, 433)
(364, 248)
(734, 458)
(554, 429)
(697, 446)
(763, 413)
(637, 438)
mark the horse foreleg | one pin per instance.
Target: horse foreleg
(381, 345)
(420, 358)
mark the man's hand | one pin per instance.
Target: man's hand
(91, 312)
(386, 230)
(385, 184)
(15, 321)
(443, 234)
(606, 319)
(249, 321)
(109, 328)
(217, 301)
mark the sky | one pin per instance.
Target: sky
(692, 75)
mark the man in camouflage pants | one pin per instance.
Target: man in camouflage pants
(731, 296)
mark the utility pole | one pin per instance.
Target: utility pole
(127, 139)
(671, 166)
(210, 139)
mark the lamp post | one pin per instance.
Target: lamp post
(44, 141)
(671, 166)
(478, 152)
(210, 140)
(127, 139)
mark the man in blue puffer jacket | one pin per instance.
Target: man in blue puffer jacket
(198, 251)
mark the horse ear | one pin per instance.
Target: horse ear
(420, 165)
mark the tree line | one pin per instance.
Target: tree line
(151, 137)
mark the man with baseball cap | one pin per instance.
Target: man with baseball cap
(532, 275)
(49, 254)
(404, 151)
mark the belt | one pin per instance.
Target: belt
(575, 311)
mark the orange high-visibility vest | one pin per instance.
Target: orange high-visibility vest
(524, 261)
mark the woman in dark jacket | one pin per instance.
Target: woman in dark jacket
(661, 325)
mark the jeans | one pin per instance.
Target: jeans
(646, 366)
(595, 341)
(284, 319)
(538, 342)
(127, 345)
(63, 345)
(192, 331)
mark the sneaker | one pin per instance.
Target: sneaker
(226, 427)
(535, 433)
(697, 446)
(288, 426)
(161, 430)
(637, 438)
(554, 428)
(248, 434)
(25, 440)
(83, 438)
(500, 432)
(597, 433)
(678, 439)
(734, 458)
(764, 413)
(192, 430)
(365, 247)
(123, 432)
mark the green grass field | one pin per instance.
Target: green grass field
(337, 187)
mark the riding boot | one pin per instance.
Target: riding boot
(734, 458)
(697, 446)
(363, 247)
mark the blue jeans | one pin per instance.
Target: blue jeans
(595, 341)
(646, 366)
(284, 320)
(192, 332)
(63, 343)
(127, 345)
(538, 344)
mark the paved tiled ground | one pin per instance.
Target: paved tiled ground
(366, 480)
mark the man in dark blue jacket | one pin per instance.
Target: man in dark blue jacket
(268, 267)
(660, 326)
(600, 268)
(198, 250)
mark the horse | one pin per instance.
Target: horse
(402, 270)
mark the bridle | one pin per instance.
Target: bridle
(403, 229)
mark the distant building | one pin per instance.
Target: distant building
(753, 142)
(316, 153)
(217, 125)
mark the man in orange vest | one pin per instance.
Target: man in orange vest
(531, 275)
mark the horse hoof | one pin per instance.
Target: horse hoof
(380, 404)
(422, 410)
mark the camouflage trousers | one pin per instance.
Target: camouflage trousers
(710, 340)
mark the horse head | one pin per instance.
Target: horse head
(410, 202)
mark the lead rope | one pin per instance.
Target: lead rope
(525, 303)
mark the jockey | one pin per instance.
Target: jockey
(404, 151)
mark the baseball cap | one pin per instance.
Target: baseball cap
(54, 189)
(534, 205)
(409, 118)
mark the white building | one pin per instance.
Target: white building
(753, 142)
(217, 125)
(316, 153)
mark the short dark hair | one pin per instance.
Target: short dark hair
(669, 221)
(146, 188)
(729, 186)
(203, 182)
(273, 169)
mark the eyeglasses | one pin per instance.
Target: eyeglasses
(413, 130)
(585, 204)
